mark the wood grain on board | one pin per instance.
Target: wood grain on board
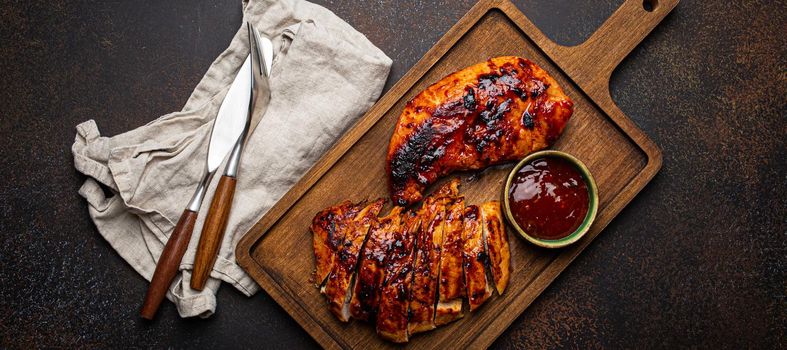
(277, 252)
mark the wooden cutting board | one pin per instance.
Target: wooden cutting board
(277, 251)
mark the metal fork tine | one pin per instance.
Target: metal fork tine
(254, 55)
(259, 64)
(261, 52)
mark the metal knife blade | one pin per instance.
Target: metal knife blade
(232, 117)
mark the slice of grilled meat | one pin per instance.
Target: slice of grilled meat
(489, 113)
(474, 259)
(338, 288)
(395, 292)
(328, 229)
(425, 274)
(371, 267)
(426, 268)
(452, 284)
(449, 189)
(496, 244)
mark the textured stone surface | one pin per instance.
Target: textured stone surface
(697, 259)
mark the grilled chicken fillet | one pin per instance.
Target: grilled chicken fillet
(328, 229)
(410, 271)
(371, 267)
(395, 290)
(452, 284)
(474, 258)
(338, 286)
(426, 268)
(496, 244)
(486, 114)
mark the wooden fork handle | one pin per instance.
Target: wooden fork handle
(168, 263)
(213, 232)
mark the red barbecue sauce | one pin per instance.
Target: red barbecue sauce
(548, 198)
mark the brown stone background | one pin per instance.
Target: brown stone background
(696, 260)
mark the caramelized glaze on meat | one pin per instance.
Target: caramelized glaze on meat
(338, 286)
(371, 267)
(452, 284)
(328, 229)
(426, 268)
(488, 113)
(496, 244)
(474, 258)
(395, 291)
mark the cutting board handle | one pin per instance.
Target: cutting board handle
(615, 39)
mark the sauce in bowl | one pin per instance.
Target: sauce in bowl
(548, 198)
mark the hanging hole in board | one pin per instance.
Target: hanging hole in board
(649, 5)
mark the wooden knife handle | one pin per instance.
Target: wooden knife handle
(168, 264)
(213, 232)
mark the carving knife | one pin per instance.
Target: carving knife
(261, 53)
(227, 129)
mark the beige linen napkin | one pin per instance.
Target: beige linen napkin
(324, 76)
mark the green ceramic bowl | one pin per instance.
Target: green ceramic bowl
(592, 197)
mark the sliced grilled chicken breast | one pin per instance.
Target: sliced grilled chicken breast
(328, 229)
(426, 268)
(338, 288)
(410, 270)
(452, 284)
(496, 244)
(474, 259)
(394, 296)
(371, 267)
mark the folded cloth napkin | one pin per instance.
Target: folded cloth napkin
(324, 76)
